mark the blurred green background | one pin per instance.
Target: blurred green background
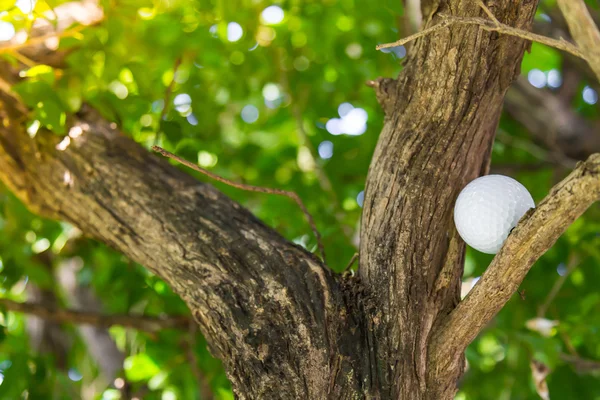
(270, 94)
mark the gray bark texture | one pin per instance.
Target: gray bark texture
(284, 325)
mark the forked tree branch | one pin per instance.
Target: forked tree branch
(537, 231)
(139, 322)
(584, 31)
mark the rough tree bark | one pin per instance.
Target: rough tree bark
(441, 116)
(283, 324)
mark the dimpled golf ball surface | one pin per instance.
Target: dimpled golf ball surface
(488, 208)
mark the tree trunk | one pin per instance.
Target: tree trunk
(284, 325)
(441, 117)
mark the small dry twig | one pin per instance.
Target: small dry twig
(250, 188)
(582, 365)
(489, 13)
(352, 260)
(492, 25)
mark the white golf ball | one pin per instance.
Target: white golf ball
(488, 208)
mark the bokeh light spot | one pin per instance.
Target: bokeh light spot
(237, 58)
(537, 78)
(360, 198)
(191, 118)
(74, 375)
(299, 39)
(234, 32)
(271, 92)
(119, 89)
(183, 102)
(325, 150)
(353, 121)
(554, 78)
(272, 15)
(354, 51)
(345, 23)
(206, 159)
(344, 109)
(250, 114)
(590, 96)
(26, 6)
(301, 63)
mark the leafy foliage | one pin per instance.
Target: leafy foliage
(252, 98)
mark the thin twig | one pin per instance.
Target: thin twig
(489, 13)
(167, 98)
(139, 322)
(560, 44)
(567, 341)
(352, 260)
(571, 265)
(23, 59)
(443, 24)
(6, 87)
(581, 364)
(250, 188)
(490, 25)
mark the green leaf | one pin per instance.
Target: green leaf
(140, 367)
(51, 115)
(41, 72)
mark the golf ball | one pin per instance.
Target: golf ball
(488, 208)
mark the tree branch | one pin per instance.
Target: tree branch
(139, 322)
(441, 117)
(491, 26)
(584, 31)
(267, 307)
(537, 231)
(557, 29)
(551, 121)
(581, 365)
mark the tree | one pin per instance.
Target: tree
(283, 323)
